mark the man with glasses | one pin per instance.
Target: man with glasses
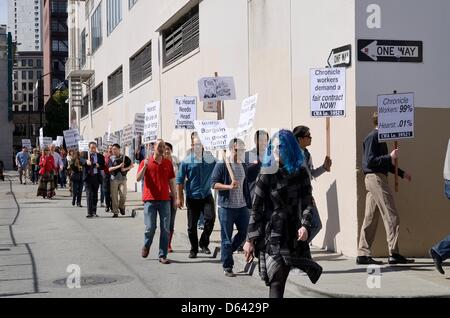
(304, 139)
(194, 175)
(93, 166)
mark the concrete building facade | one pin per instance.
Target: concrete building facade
(124, 54)
(25, 24)
(6, 147)
(55, 45)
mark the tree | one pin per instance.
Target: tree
(57, 114)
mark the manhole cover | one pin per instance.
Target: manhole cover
(95, 280)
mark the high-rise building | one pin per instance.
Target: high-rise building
(55, 45)
(25, 24)
(6, 149)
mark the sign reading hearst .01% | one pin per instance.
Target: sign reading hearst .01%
(396, 116)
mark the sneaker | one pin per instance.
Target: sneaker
(399, 259)
(164, 260)
(145, 251)
(437, 259)
(89, 216)
(122, 211)
(192, 254)
(367, 260)
(205, 250)
(115, 216)
(229, 272)
(107, 209)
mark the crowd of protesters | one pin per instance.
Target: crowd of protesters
(264, 193)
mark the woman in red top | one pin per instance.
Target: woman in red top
(46, 187)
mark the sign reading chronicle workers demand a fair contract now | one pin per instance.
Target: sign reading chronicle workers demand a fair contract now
(396, 116)
(328, 92)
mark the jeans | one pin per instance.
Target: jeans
(151, 208)
(34, 173)
(447, 188)
(443, 248)
(228, 217)
(62, 178)
(77, 191)
(316, 223)
(105, 192)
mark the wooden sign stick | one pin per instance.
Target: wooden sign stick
(396, 167)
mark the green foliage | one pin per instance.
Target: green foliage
(57, 114)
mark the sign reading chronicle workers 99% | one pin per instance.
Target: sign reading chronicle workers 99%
(328, 92)
(396, 116)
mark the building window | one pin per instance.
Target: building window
(141, 65)
(24, 62)
(24, 75)
(182, 37)
(30, 75)
(85, 107)
(30, 62)
(60, 46)
(97, 97)
(24, 86)
(115, 84)
(83, 47)
(39, 63)
(131, 3)
(96, 28)
(30, 86)
(114, 14)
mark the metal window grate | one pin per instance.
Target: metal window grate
(97, 97)
(115, 84)
(182, 37)
(141, 65)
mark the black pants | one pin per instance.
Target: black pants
(92, 183)
(77, 191)
(278, 282)
(195, 207)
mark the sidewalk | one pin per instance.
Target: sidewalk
(341, 276)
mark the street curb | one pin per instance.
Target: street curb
(240, 261)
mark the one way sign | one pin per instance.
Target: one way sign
(340, 57)
(390, 51)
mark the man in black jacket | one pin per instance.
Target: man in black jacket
(92, 177)
(377, 163)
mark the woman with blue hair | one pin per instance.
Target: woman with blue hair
(280, 221)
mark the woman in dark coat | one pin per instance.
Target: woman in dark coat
(280, 220)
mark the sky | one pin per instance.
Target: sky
(3, 11)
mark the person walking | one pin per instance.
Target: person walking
(194, 175)
(34, 164)
(441, 251)
(58, 163)
(159, 180)
(173, 204)
(280, 221)
(119, 165)
(234, 201)
(23, 162)
(46, 187)
(76, 178)
(63, 170)
(92, 178)
(304, 139)
(105, 191)
(376, 164)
